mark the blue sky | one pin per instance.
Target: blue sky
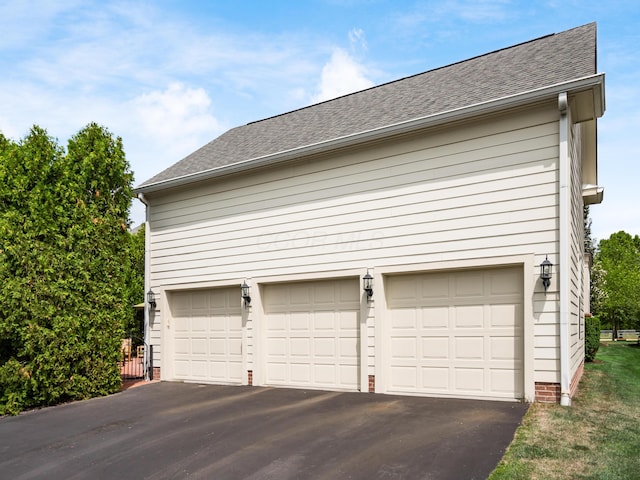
(169, 76)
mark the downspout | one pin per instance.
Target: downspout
(147, 284)
(564, 254)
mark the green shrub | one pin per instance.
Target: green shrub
(592, 339)
(63, 238)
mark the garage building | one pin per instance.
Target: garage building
(421, 237)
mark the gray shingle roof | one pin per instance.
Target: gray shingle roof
(536, 64)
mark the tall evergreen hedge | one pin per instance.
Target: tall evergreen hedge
(63, 235)
(592, 338)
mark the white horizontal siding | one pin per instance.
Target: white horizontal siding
(576, 235)
(379, 185)
(479, 190)
(361, 251)
(547, 339)
(455, 149)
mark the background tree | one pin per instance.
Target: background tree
(135, 281)
(617, 280)
(599, 291)
(589, 246)
(63, 235)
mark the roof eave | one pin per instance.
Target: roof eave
(594, 82)
(587, 106)
(592, 194)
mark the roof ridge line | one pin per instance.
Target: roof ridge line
(416, 74)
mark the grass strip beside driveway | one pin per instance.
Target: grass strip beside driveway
(597, 438)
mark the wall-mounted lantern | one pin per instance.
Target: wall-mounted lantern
(245, 294)
(151, 299)
(367, 285)
(545, 273)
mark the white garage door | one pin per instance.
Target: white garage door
(311, 334)
(207, 335)
(456, 334)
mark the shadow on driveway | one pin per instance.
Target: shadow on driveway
(175, 430)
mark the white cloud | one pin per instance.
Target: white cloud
(166, 125)
(441, 15)
(177, 114)
(23, 22)
(357, 39)
(341, 75)
(481, 11)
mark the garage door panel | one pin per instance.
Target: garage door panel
(300, 295)
(181, 326)
(432, 288)
(235, 370)
(181, 346)
(469, 325)
(311, 334)
(199, 346)
(325, 374)
(349, 376)
(218, 370)
(404, 377)
(181, 368)
(469, 285)
(324, 294)
(218, 324)
(324, 321)
(348, 349)
(234, 324)
(403, 318)
(505, 381)
(199, 324)
(469, 380)
(435, 347)
(299, 347)
(468, 316)
(402, 289)
(277, 322)
(234, 346)
(505, 315)
(300, 373)
(180, 306)
(199, 369)
(217, 346)
(299, 321)
(435, 379)
(404, 347)
(207, 335)
(437, 317)
(276, 373)
(504, 348)
(277, 347)
(199, 301)
(469, 348)
(505, 283)
(324, 347)
(348, 320)
(349, 293)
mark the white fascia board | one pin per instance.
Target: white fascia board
(591, 82)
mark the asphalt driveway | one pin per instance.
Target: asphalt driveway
(174, 430)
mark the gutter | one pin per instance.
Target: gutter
(564, 254)
(592, 194)
(585, 83)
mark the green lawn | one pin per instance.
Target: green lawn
(598, 437)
